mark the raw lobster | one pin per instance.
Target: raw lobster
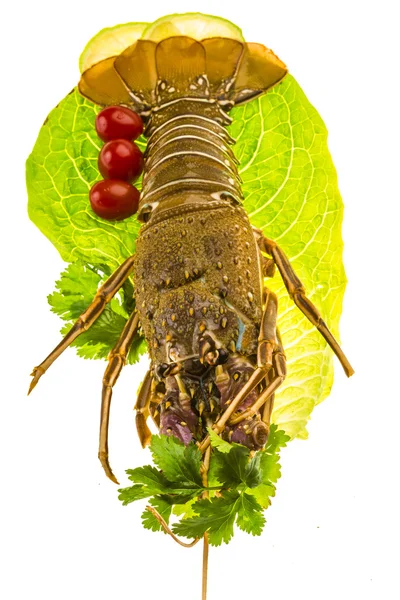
(199, 268)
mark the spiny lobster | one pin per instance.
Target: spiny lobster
(209, 321)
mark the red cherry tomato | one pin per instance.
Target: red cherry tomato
(113, 199)
(120, 159)
(118, 122)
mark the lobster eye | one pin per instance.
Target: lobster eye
(161, 370)
(223, 356)
(145, 212)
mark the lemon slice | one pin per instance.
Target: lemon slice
(110, 42)
(113, 40)
(195, 25)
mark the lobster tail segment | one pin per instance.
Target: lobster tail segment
(148, 74)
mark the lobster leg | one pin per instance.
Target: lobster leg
(267, 345)
(88, 317)
(269, 404)
(266, 397)
(116, 360)
(142, 408)
(297, 293)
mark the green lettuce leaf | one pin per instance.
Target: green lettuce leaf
(291, 193)
(59, 174)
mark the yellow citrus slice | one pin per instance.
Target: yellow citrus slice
(113, 40)
(195, 25)
(110, 42)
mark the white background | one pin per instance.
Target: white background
(333, 529)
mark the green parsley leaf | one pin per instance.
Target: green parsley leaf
(184, 510)
(234, 468)
(263, 494)
(157, 483)
(149, 481)
(150, 477)
(252, 474)
(163, 507)
(269, 456)
(249, 515)
(177, 487)
(269, 469)
(231, 467)
(178, 462)
(218, 516)
(217, 442)
(133, 493)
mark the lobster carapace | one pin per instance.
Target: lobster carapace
(199, 268)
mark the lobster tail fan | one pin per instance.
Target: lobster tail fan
(223, 59)
(102, 85)
(148, 73)
(180, 61)
(259, 70)
(137, 68)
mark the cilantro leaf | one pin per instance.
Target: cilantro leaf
(235, 468)
(269, 469)
(252, 474)
(156, 483)
(178, 481)
(150, 477)
(217, 442)
(178, 462)
(163, 507)
(231, 467)
(263, 494)
(244, 479)
(149, 482)
(133, 493)
(249, 515)
(218, 516)
(184, 510)
(212, 475)
(269, 457)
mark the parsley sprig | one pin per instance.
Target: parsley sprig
(241, 485)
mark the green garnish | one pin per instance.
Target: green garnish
(240, 486)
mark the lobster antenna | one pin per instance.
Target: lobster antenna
(169, 531)
(205, 567)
